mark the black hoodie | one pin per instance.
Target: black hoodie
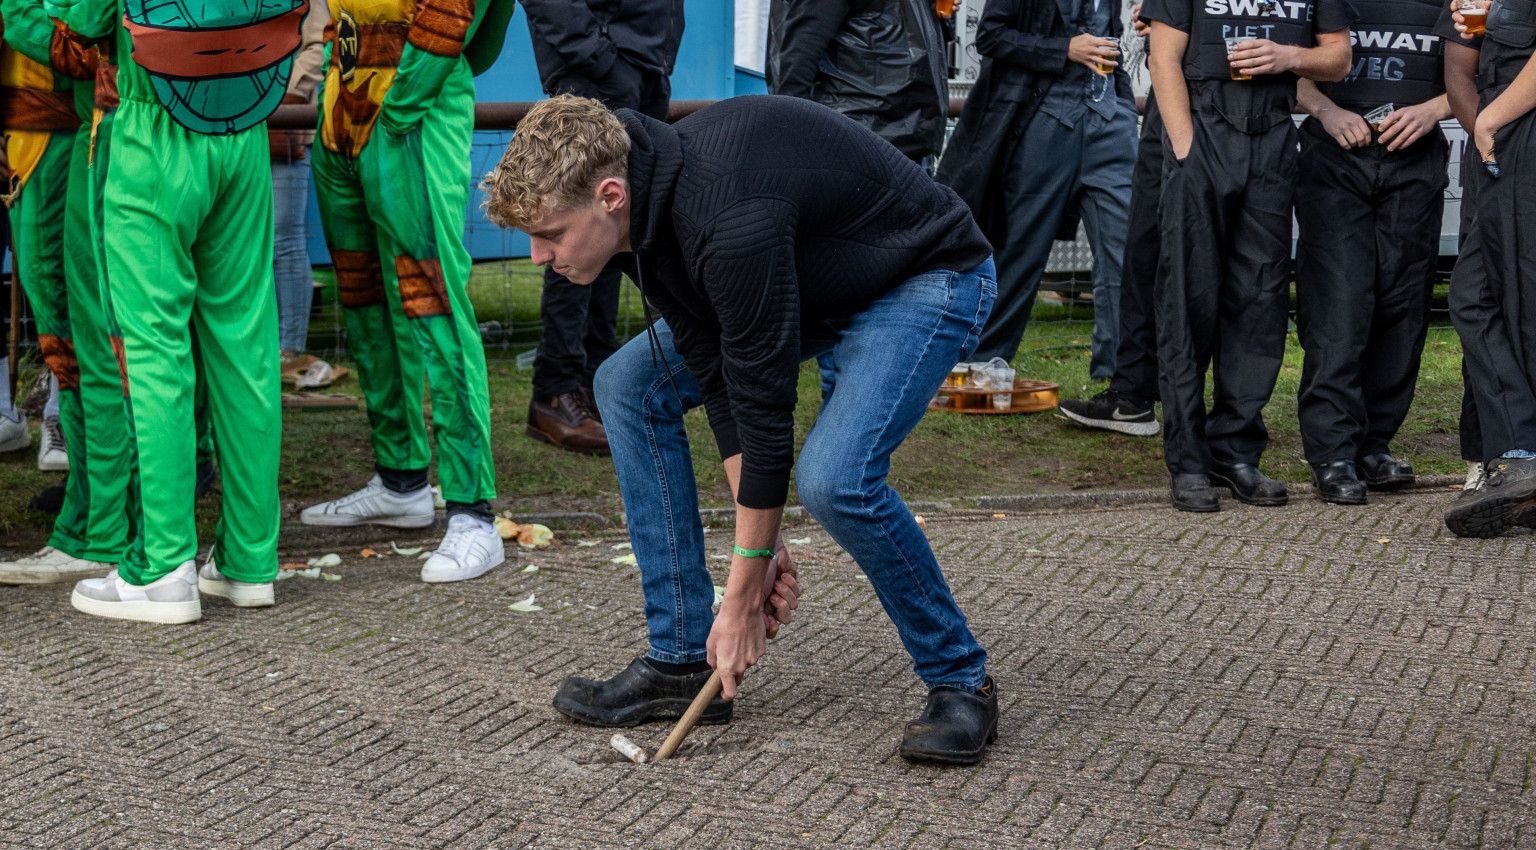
(757, 221)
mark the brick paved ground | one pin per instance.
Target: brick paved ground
(1302, 677)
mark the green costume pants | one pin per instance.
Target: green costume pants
(394, 220)
(38, 228)
(188, 243)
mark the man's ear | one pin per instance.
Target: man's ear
(613, 194)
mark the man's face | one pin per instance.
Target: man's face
(578, 243)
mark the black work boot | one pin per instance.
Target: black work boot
(639, 694)
(955, 727)
(1337, 483)
(1382, 471)
(1249, 485)
(1507, 492)
(1192, 492)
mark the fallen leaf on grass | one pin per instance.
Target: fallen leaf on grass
(506, 528)
(305, 572)
(525, 606)
(330, 577)
(329, 560)
(625, 560)
(719, 594)
(404, 553)
(618, 546)
(582, 544)
(999, 516)
(531, 568)
(799, 541)
(370, 553)
(1383, 540)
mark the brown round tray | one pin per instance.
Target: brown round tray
(1028, 397)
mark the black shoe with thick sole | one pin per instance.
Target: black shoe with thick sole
(639, 694)
(49, 500)
(1382, 471)
(1111, 411)
(1193, 493)
(1506, 496)
(1337, 483)
(955, 727)
(1249, 485)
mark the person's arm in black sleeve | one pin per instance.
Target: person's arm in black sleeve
(999, 39)
(748, 271)
(809, 27)
(574, 32)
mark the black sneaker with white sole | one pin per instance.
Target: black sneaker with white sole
(1111, 411)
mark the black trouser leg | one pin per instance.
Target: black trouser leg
(1471, 430)
(1493, 298)
(1409, 204)
(1223, 278)
(1136, 358)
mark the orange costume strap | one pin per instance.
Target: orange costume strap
(30, 109)
(222, 52)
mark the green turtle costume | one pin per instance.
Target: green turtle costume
(392, 176)
(186, 224)
(47, 78)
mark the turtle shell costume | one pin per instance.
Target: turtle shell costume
(391, 172)
(186, 222)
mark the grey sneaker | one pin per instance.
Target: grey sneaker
(374, 505)
(49, 566)
(241, 594)
(169, 600)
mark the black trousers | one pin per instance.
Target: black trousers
(1365, 260)
(1136, 358)
(1472, 174)
(579, 321)
(1493, 297)
(1223, 281)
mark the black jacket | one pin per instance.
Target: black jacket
(585, 37)
(880, 62)
(755, 222)
(1024, 46)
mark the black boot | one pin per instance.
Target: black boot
(1193, 493)
(1490, 509)
(1337, 483)
(1249, 485)
(49, 500)
(955, 726)
(1382, 471)
(639, 694)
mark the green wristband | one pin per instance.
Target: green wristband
(751, 553)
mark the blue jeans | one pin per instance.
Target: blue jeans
(290, 252)
(890, 360)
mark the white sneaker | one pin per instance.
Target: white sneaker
(470, 549)
(1475, 473)
(52, 456)
(14, 435)
(170, 599)
(374, 504)
(49, 566)
(241, 594)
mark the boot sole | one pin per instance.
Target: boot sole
(1339, 500)
(1491, 517)
(669, 708)
(545, 438)
(240, 597)
(1262, 502)
(950, 757)
(164, 613)
(1135, 429)
(1190, 508)
(339, 521)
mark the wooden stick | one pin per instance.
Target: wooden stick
(689, 718)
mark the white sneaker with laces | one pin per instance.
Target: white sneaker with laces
(1475, 473)
(169, 600)
(241, 594)
(49, 566)
(52, 456)
(14, 435)
(470, 549)
(374, 504)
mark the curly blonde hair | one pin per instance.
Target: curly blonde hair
(559, 153)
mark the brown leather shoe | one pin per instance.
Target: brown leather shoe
(587, 393)
(568, 422)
